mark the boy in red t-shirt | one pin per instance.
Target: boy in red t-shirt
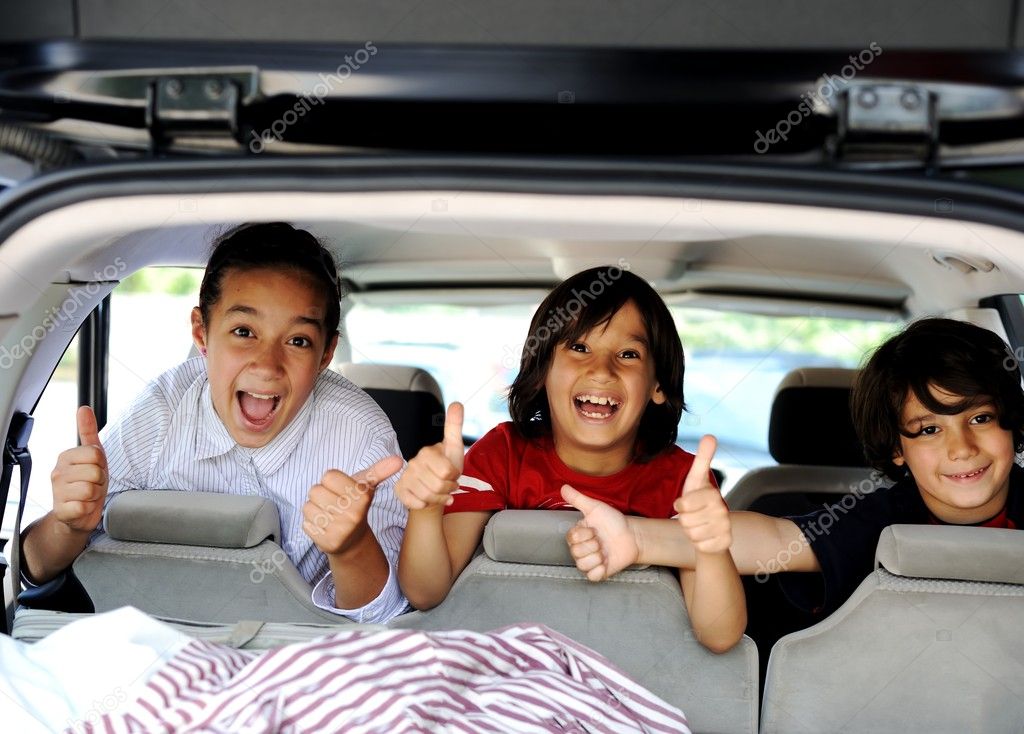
(595, 408)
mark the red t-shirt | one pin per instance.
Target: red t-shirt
(503, 470)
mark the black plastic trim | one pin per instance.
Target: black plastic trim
(94, 360)
(937, 197)
(1011, 313)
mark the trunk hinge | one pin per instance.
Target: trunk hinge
(887, 122)
(201, 103)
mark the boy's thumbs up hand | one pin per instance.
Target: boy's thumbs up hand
(702, 511)
(432, 475)
(79, 481)
(602, 543)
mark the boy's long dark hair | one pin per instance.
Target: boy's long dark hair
(587, 300)
(275, 245)
(954, 356)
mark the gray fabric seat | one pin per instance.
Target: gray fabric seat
(159, 558)
(637, 619)
(195, 555)
(811, 435)
(929, 642)
(409, 396)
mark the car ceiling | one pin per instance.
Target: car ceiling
(391, 241)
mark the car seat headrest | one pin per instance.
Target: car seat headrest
(409, 396)
(810, 420)
(373, 376)
(952, 552)
(192, 518)
(530, 536)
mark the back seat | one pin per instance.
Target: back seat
(409, 396)
(637, 619)
(196, 555)
(811, 435)
(929, 642)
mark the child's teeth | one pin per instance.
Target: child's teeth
(598, 400)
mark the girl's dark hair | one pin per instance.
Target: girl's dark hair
(954, 356)
(587, 300)
(272, 245)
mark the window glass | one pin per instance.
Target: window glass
(150, 329)
(734, 361)
(472, 351)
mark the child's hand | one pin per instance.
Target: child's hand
(602, 542)
(702, 511)
(335, 513)
(80, 478)
(432, 475)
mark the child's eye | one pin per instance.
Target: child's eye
(243, 331)
(983, 419)
(300, 341)
(928, 431)
(629, 354)
(578, 347)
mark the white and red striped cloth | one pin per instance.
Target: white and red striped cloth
(517, 679)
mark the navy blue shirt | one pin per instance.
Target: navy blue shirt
(844, 535)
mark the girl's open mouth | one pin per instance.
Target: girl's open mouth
(596, 407)
(258, 409)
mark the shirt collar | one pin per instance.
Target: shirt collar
(213, 438)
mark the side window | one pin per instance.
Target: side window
(472, 351)
(150, 329)
(735, 361)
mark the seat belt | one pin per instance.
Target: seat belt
(16, 454)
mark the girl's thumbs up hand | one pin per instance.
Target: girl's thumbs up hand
(79, 481)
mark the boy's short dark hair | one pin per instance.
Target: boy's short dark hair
(275, 245)
(586, 300)
(958, 358)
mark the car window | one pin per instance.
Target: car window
(734, 361)
(472, 351)
(150, 329)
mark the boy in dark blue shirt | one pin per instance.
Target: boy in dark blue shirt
(939, 409)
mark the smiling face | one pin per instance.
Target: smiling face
(961, 463)
(265, 346)
(598, 388)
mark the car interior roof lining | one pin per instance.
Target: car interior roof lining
(394, 238)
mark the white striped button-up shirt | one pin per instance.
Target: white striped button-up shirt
(172, 438)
